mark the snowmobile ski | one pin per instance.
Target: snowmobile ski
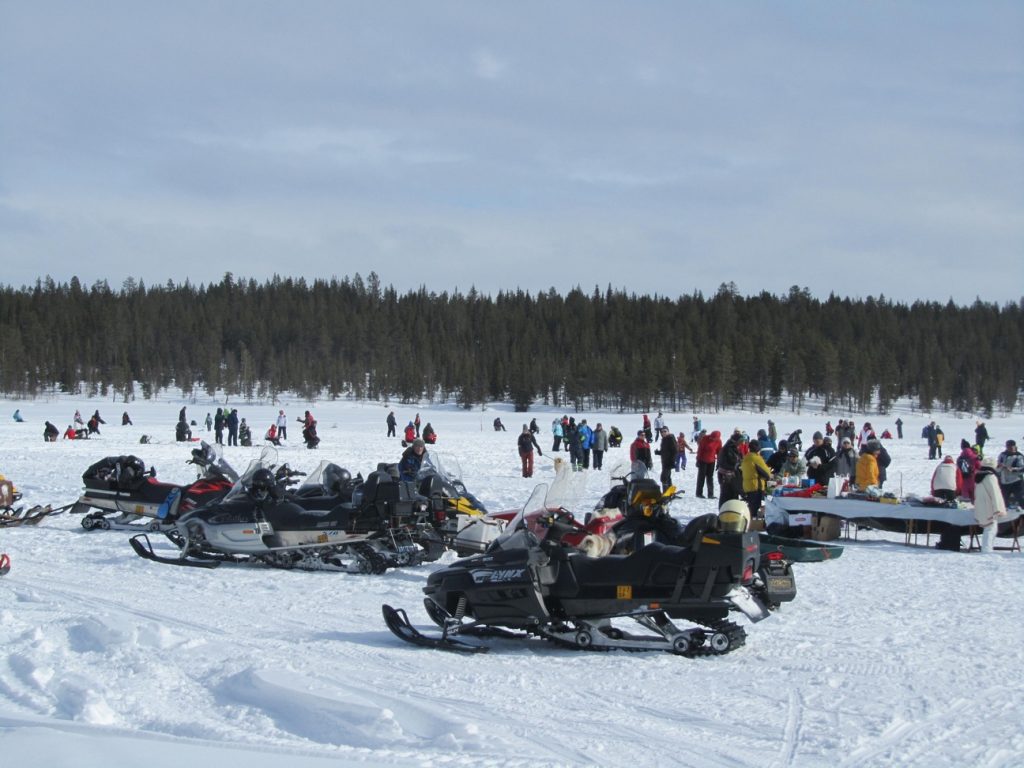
(398, 622)
(145, 550)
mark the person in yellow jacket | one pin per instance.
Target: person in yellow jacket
(867, 465)
(755, 474)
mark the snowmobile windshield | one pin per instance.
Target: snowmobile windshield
(446, 466)
(266, 460)
(326, 479)
(524, 530)
(214, 463)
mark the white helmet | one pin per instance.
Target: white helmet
(734, 516)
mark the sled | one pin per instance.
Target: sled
(799, 550)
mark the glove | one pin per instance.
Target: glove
(539, 453)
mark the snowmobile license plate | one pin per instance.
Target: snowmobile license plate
(781, 584)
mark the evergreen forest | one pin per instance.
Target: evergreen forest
(606, 349)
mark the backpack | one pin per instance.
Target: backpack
(963, 464)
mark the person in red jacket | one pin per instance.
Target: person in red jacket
(708, 447)
(640, 456)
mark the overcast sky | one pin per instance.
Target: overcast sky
(661, 147)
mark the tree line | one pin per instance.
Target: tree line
(353, 337)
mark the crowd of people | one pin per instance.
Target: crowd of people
(744, 467)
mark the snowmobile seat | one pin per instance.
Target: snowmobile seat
(695, 529)
(655, 565)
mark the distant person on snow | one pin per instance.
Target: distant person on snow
(410, 433)
(668, 452)
(429, 435)
(498, 426)
(392, 423)
(556, 432)
(640, 456)
(126, 420)
(231, 422)
(271, 435)
(182, 431)
(282, 425)
(17, 415)
(526, 443)
(50, 433)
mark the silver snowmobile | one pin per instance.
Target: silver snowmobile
(376, 528)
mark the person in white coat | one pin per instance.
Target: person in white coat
(946, 482)
(988, 503)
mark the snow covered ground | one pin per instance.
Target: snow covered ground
(891, 655)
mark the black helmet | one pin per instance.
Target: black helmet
(262, 484)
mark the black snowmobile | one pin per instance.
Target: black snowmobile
(453, 508)
(127, 496)
(529, 581)
(379, 526)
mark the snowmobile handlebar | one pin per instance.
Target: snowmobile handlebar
(286, 475)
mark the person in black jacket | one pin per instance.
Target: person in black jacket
(730, 483)
(980, 436)
(667, 451)
(527, 443)
(821, 450)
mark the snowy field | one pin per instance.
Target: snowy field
(891, 655)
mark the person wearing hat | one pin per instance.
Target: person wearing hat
(989, 504)
(824, 467)
(846, 459)
(640, 456)
(412, 459)
(526, 443)
(793, 465)
(867, 465)
(967, 464)
(947, 482)
(1011, 473)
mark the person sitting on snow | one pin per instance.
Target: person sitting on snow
(271, 435)
(244, 434)
(429, 435)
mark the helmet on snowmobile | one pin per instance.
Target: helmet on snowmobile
(734, 516)
(262, 484)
